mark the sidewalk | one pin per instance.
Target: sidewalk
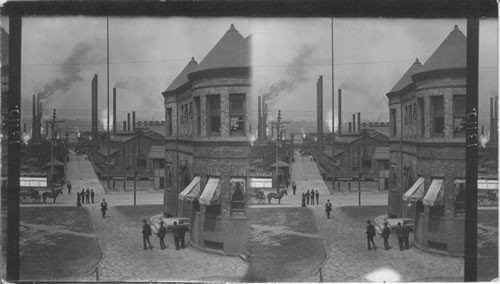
(81, 174)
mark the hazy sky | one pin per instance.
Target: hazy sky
(288, 55)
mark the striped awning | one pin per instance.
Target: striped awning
(192, 191)
(434, 194)
(211, 193)
(416, 191)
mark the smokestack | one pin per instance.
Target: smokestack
(94, 108)
(33, 123)
(319, 90)
(492, 122)
(264, 120)
(354, 123)
(133, 121)
(39, 120)
(340, 113)
(359, 122)
(482, 130)
(124, 126)
(350, 127)
(259, 119)
(128, 121)
(114, 111)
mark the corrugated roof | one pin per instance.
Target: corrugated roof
(406, 79)
(182, 78)
(381, 153)
(452, 53)
(157, 152)
(232, 50)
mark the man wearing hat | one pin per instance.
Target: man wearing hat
(162, 231)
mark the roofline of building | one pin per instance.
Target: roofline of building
(178, 90)
(401, 91)
(219, 72)
(438, 73)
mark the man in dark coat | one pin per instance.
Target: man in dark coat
(78, 199)
(307, 197)
(303, 199)
(370, 233)
(406, 234)
(400, 234)
(146, 233)
(87, 196)
(176, 234)
(386, 233)
(312, 196)
(82, 195)
(294, 188)
(328, 208)
(92, 195)
(182, 234)
(104, 207)
(69, 187)
(317, 196)
(162, 231)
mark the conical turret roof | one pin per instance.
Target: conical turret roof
(232, 50)
(182, 78)
(406, 79)
(451, 54)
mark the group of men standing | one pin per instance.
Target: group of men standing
(85, 196)
(402, 232)
(178, 232)
(309, 196)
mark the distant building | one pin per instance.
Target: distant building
(156, 159)
(206, 145)
(427, 153)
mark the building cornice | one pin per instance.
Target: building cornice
(220, 72)
(435, 74)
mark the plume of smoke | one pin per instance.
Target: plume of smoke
(70, 70)
(295, 74)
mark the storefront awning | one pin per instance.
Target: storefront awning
(435, 193)
(416, 191)
(192, 191)
(211, 193)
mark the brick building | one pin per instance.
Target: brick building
(206, 145)
(427, 152)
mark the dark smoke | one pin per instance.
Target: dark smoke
(295, 74)
(70, 70)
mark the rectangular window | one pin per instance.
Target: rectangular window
(422, 118)
(198, 115)
(393, 122)
(438, 115)
(161, 164)
(460, 197)
(162, 183)
(238, 200)
(458, 115)
(169, 121)
(213, 114)
(237, 114)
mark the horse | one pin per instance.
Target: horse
(276, 195)
(52, 195)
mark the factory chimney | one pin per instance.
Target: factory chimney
(259, 119)
(128, 121)
(359, 122)
(319, 97)
(33, 123)
(124, 126)
(350, 127)
(39, 120)
(354, 123)
(94, 122)
(114, 111)
(340, 113)
(264, 120)
(133, 121)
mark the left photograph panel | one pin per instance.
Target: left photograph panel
(133, 141)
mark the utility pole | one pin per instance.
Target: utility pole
(107, 89)
(333, 121)
(53, 124)
(277, 151)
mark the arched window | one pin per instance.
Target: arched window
(238, 199)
